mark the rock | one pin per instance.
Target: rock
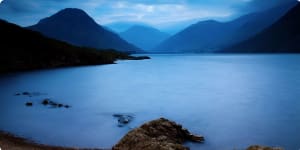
(160, 134)
(26, 93)
(123, 119)
(46, 102)
(28, 103)
(258, 147)
(17, 94)
(54, 104)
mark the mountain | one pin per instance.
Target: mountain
(76, 27)
(144, 37)
(203, 35)
(282, 37)
(122, 26)
(23, 49)
(211, 36)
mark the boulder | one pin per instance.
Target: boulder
(160, 134)
(46, 101)
(28, 103)
(26, 93)
(123, 119)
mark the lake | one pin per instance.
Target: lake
(233, 100)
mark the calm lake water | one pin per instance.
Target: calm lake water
(233, 100)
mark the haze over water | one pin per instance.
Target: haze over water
(233, 100)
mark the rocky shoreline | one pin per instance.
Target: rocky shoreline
(159, 134)
(12, 142)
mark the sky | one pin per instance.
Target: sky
(162, 14)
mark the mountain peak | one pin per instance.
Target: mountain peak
(281, 37)
(76, 27)
(71, 15)
(71, 10)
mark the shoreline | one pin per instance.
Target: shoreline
(159, 134)
(9, 141)
(61, 65)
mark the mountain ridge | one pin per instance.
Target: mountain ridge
(31, 50)
(76, 27)
(282, 37)
(211, 36)
(144, 37)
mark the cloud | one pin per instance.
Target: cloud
(158, 13)
(107, 11)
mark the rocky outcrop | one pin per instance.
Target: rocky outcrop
(160, 134)
(123, 119)
(258, 147)
(48, 102)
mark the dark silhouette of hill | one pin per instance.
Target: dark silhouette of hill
(78, 28)
(23, 49)
(211, 36)
(282, 37)
(202, 36)
(144, 37)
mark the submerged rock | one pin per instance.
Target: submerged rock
(123, 119)
(30, 94)
(160, 134)
(17, 94)
(46, 101)
(258, 147)
(52, 104)
(28, 103)
(26, 93)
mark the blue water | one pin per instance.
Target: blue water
(233, 100)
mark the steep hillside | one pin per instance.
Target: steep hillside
(76, 27)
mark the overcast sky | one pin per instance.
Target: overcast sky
(157, 13)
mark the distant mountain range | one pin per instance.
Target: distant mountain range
(78, 28)
(122, 26)
(144, 37)
(282, 36)
(23, 49)
(201, 37)
(211, 36)
(273, 31)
